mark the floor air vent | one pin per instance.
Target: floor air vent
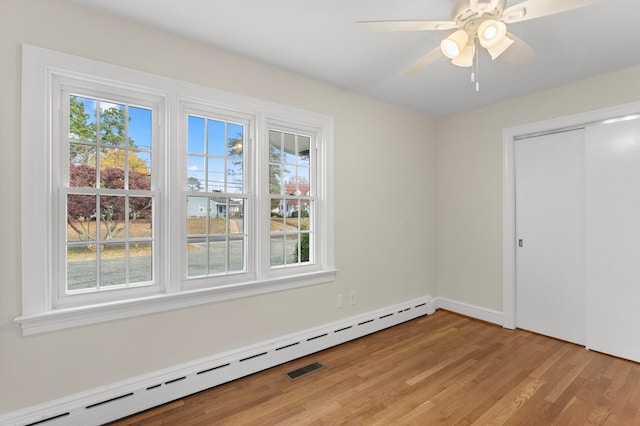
(303, 371)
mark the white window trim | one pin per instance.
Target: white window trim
(38, 312)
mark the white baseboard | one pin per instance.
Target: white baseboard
(117, 400)
(472, 311)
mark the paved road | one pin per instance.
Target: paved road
(82, 274)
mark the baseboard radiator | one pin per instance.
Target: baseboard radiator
(131, 396)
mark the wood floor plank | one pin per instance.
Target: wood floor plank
(442, 369)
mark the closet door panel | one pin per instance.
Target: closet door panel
(550, 290)
(612, 249)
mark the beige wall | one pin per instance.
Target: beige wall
(470, 180)
(385, 197)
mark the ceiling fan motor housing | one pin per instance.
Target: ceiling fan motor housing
(469, 19)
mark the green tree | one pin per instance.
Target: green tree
(194, 184)
(112, 127)
(80, 130)
(302, 255)
(112, 131)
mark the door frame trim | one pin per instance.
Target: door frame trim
(509, 136)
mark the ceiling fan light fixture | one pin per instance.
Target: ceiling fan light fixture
(453, 45)
(499, 49)
(491, 33)
(465, 58)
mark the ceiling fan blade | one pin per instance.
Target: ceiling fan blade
(423, 62)
(519, 52)
(531, 9)
(406, 25)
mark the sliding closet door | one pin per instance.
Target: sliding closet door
(613, 238)
(550, 289)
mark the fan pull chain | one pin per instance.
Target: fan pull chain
(477, 66)
(473, 61)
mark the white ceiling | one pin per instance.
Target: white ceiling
(318, 38)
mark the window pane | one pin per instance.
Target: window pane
(195, 173)
(301, 254)
(292, 219)
(112, 124)
(215, 175)
(305, 214)
(236, 254)
(197, 215)
(112, 168)
(113, 265)
(139, 170)
(82, 123)
(294, 213)
(275, 180)
(304, 146)
(303, 181)
(196, 257)
(291, 249)
(217, 255)
(236, 215)
(82, 154)
(140, 161)
(277, 250)
(235, 179)
(289, 177)
(112, 158)
(195, 135)
(289, 148)
(140, 214)
(235, 136)
(277, 214)
(112, 217)
(140, 262)
(82, 176)
(82, 270)
(275, 146)
(218, 216)
(140, 127)
(215, 137)
(81, 220)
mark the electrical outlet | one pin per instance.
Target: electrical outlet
(339, 301)
(352, 298)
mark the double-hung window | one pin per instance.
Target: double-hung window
(106, 242)
(161, 194)
(291, 197)
(218, 196)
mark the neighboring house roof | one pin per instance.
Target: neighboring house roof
(292, 187)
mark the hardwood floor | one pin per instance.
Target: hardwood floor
(440, 369)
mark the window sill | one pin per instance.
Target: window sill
(61, 319)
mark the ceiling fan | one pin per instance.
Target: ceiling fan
(479, 22)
